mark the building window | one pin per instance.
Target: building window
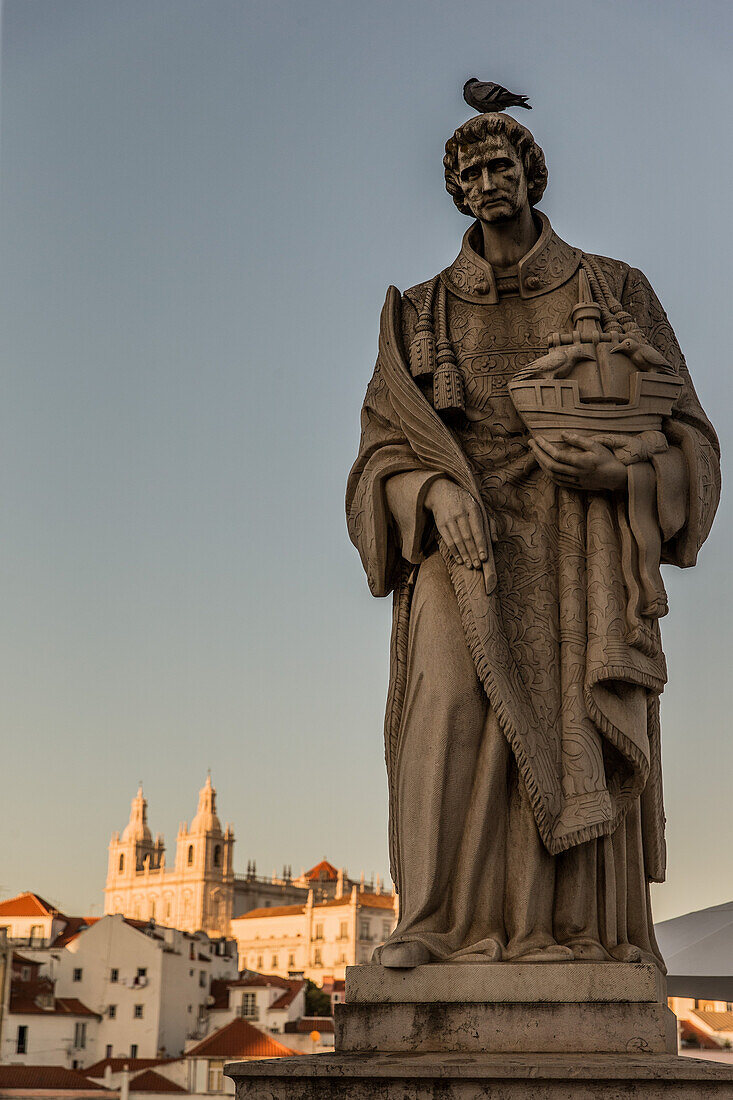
(344, 930)
(291, 960)
(189, 1010)
(37, 936)
(386, 929)
(317, 959)
(112, 1012)
(21, 1042)
(114, 974)
(137, 1012)
(76, 976)
(133, 1050)
(142, 972)
(274, 964)
(249, 1005)
(190, 854)
(80, 1036)
(217, 856)
(319, 932)
(364, 930)
(216, 1077)
(202, 979)
(108, 1050)
(259, 962)
(122, 864)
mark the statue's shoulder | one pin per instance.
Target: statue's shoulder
(416, 295)
(615, 271)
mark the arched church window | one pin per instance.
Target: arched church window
(122, 863)
(217, 856)
(190, 854)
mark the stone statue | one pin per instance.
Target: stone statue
(532, 448)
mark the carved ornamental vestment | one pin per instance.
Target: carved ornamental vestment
(573, 690)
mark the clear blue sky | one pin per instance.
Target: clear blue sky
(201, 205)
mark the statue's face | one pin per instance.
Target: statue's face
(493, 180)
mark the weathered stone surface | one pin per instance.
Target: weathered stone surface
(522, 728)
(475, 1076)
(511, 1028)
(515, 982)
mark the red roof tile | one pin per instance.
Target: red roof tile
(716, 1021)
(306, 1024)
(57, 1078)
(322, 870)
(150, 1081)
(25, 999)
(74, 926)
(365, 899)
(28, 905)
(690, 1033)
(239, 1039)
(274, 911)
(286, 999)
(118, 1064)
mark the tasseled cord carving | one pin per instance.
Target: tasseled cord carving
(431, 354)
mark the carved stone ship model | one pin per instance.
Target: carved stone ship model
(595, 381)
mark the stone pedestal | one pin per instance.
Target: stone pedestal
(467, 1031)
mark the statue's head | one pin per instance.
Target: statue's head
(493, 167)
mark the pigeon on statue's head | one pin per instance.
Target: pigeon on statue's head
(484, 96)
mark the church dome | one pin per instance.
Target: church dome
(206, 820)
(137, 827)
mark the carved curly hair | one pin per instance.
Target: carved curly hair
(478, 129)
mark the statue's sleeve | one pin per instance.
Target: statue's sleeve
(387, 486)
(688, 475)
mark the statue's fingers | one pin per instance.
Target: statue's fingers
(468, 541)
(580, 441)
(478, 529)
(461, 550)
(448, 539)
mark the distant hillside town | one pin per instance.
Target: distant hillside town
(193, 966)
(190, 967)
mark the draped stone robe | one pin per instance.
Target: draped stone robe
(522, 727)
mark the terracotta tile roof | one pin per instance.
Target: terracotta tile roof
(25, 998)
(252, 978)
(286, 999)
(365, 899)
(274, 911)
(306, 1024)
(150, 1081)
(716, 1021)
(239, 1039)
(690, 1033)
(118, 1064)
(57, 1078)
(74, 926)
(322, 870)
(28, 905)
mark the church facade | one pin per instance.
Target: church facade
(200, 891)
(196, 893)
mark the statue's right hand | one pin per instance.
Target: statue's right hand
(459, 521)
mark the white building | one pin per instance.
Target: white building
(150, 985)
(42, 1029)
(265, 1000)
(317, 940)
